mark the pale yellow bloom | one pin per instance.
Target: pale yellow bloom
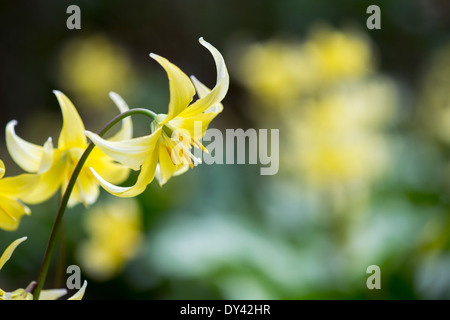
(63, 159)
(338, 55)
(162, 151)
(91, 66)
(25, 294)
(339, 137)
(278, 72)
(114, 236)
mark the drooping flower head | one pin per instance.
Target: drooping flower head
(166, 152)
(71, 144)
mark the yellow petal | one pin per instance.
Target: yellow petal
(166, 166)
(27, 155)
(145, 178)
(11, 211)
(195, 125)
(15, 186)
(107, 167)
(46, 157)
(86, 189)
(2, 169)
(203, 91)
(219, 91)
(52, 294)
(48, 182)
(72, 133)
(132, 153)
(181, 169)
(181, 89)
(126, 132)
(9, 251)
(80, 294)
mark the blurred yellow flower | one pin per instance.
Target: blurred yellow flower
(172, 133)
(280, 71)
(92, 66)
(25, 294)
(339, 139)
(338, 55)
(115, 234)
(275, 71)
(63, 159)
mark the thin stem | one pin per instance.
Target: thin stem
(65, 199)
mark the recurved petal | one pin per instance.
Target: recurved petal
(126, 132)
(47, 156)
(9, 251)
(181, 88)
(144, 179)
(72, 133)
(27, 155)
(80, 294)
(131, 153)
(203, 91)
(217, 94)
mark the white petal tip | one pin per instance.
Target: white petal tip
(12, 123)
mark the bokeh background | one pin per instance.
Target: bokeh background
(364, 122)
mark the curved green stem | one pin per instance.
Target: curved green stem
(65, 199)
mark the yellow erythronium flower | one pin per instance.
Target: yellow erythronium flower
(14, 188)
(71, 145)
(25, 294)
(158, 154)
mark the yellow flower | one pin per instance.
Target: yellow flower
(340, 138)
(71, 145)
(338, 55)
(279, 72)
(13, 188)
(115, 234)
(25, 294)
(91, 66)
(159, 153)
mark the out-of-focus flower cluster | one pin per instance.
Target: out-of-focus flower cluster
(114, 236)
(331, 105)
(90, 67)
